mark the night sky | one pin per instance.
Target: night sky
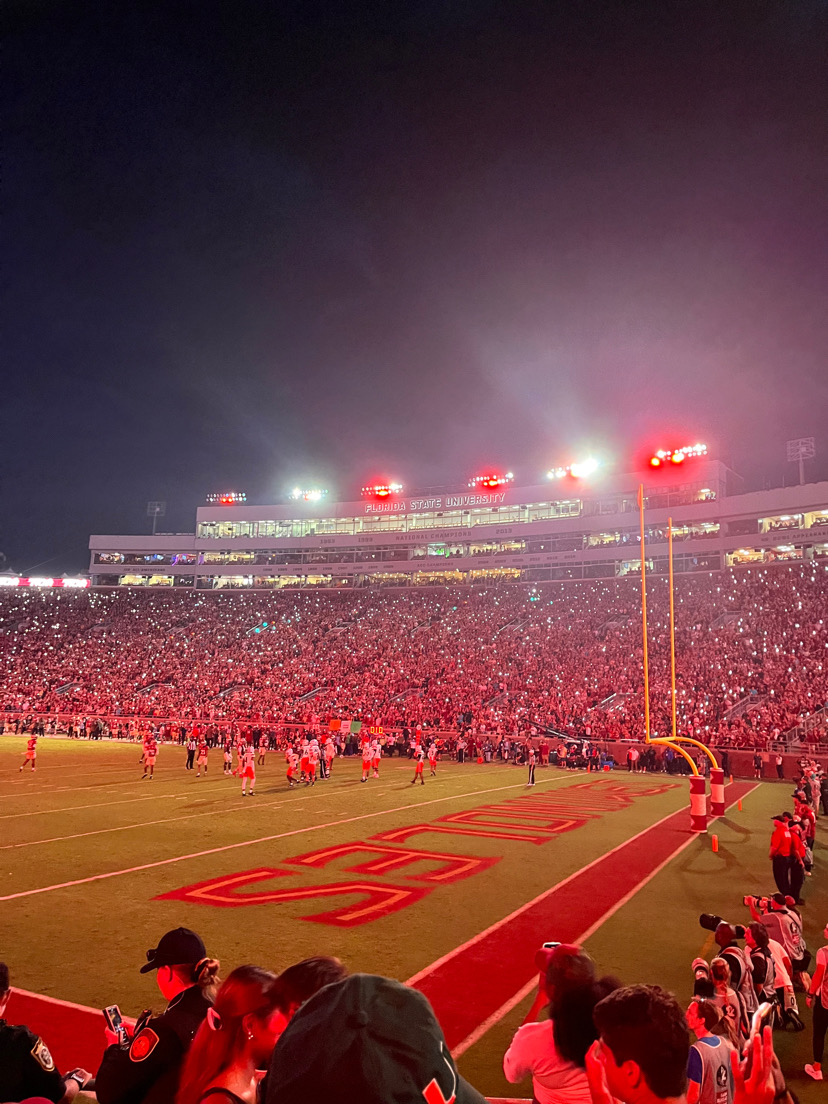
(249, 244)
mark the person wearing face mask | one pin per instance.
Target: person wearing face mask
(145, 1069)
(236, 1040)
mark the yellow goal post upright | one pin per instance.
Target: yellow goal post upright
(698, 798)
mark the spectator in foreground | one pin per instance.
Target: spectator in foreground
(369, 1039)
(235, 1040)
(709, 1073)
(301, 981)
(27, 1068)
(146, 1067)
(554, 1050)
(642, 1050)
(818, 1002)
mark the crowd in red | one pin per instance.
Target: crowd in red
(499, 659)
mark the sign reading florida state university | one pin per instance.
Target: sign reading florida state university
(441, 502)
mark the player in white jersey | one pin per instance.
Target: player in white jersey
(432, 758)
(376, 755)
(304, 759)
(313, 762)
(292, 759)
(329, 751)
(367, 759)
(248, 770)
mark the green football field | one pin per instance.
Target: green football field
(452, 885)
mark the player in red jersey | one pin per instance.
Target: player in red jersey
(248, 770)
(304, 759)
(419, 757)
(201, 759)
(31, 753)
(263, 745)
(150, 753)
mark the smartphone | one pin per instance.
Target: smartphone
(115, 1021)
(761, 1017)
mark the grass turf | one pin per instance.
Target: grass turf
(86, 812)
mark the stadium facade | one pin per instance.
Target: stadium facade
(562, 529)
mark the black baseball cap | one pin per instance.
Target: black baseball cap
(176, 948)
(365, 1038)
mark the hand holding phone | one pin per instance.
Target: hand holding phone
(116, 1030)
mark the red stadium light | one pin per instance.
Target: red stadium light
(382, 490)
(491, 481)
(676, 456)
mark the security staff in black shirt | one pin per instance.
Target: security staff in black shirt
(145, 1068)
(27, 1067)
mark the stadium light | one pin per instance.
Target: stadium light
(314, 495)
(579, 470)
(42, 581)
(676, 456)
(227, 498)
(491, 480)
(382, 490)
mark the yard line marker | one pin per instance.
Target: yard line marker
(261, 839)
(482, 1028)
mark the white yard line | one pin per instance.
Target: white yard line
(263, 839)
(512, 1002)
(209, 787)
(157, 795)
(142, 824)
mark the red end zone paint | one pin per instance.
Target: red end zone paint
(471, 984)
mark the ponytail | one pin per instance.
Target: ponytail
(205, 974)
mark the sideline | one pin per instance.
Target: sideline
(459, 987)
(269, 839)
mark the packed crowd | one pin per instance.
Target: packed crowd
(750, 653)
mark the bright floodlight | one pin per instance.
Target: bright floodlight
(579, 470)
(313, 495)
